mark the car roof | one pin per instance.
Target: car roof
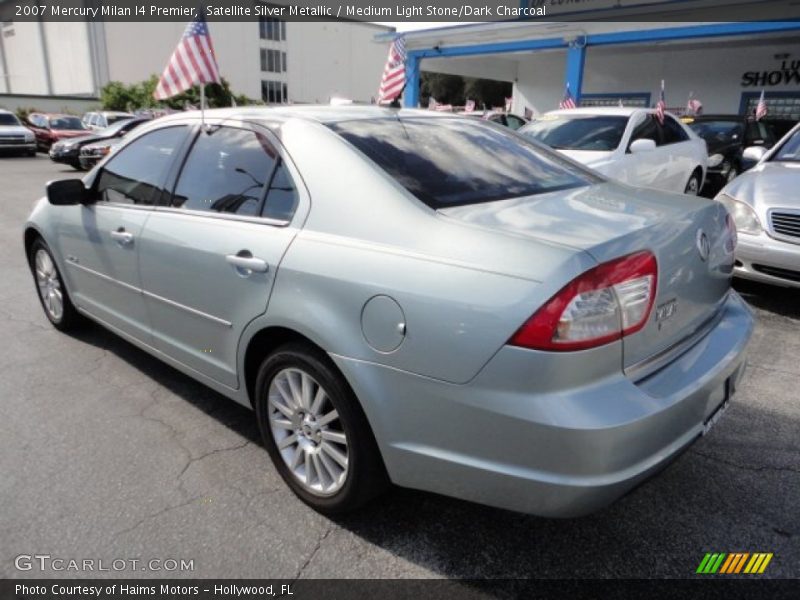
(617, 111)
(318, 113)
(115, 112)
(720, 117)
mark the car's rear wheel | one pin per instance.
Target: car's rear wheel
(55, 300)
(693, 185)
(315, 431)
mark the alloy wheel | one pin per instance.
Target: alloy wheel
(307, 431)
(49, 284)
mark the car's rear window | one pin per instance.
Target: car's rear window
(578, 132)
(455, 161)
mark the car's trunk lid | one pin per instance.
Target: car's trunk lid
(608, 221)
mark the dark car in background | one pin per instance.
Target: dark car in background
(69, 151)
(93, 153)
(501, 118)
(727, 138)
(50, 128)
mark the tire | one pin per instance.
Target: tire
(693, 185)
(314, 444)
(50, 288)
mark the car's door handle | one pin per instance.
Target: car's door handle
(122, 237)
(247, 263)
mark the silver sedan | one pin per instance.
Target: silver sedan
(765, 203)
(407, 298)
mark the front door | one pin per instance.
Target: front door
(209, 260)
(100, 241)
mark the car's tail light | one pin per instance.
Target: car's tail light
(604, 304)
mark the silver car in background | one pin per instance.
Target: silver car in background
(407, 297)
(765, 204)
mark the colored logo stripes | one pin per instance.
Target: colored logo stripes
(734, 563)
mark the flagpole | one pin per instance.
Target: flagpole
(203, 105)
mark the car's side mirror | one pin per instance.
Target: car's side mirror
(642, 145)
(66, 192)
(753, 154)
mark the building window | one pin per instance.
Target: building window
(273, 61)
(272, 29)
(274, 92)
(780, 105)
(638, 100)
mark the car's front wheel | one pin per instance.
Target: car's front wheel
(50, 287)
(315, 431)
(693, 185)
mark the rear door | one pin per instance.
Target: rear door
(209, 259)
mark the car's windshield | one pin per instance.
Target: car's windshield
(578, 132)
(789, 150)
(119, 125)
(718, 131)
(66, 123)
(115, 118)
(7, 119)
(453, 161)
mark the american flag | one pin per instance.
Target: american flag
(394, 73)
(693, 106)
(661, 105)
(469, 106)
(761, 108)
(568, 101)
(193, 62)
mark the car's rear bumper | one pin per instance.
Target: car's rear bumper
(547, 434)
(762, 258)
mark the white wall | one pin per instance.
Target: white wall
(24, 59)
(70, 62)
(334, 59)
(713, 73)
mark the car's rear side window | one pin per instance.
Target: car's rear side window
(455, 161)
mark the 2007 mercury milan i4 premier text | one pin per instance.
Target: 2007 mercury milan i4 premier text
(403, 297)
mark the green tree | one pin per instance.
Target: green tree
(486, 92)
(447, 89)
(129, 97)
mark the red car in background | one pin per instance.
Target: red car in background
(50, 128)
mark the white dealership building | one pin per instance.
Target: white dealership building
(268, 59)
(622, 52)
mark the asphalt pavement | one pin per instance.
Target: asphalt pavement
(108, 454)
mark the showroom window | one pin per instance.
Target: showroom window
(634, 100)
(136, 174)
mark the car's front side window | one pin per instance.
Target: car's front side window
(647, 130)
(227, 171)
(673, 132)
(136, 174)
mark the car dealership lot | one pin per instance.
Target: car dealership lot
(108, 453)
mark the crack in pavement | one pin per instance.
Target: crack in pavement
(736, 465)
(191, 461)
(313, 553)
(153, 516)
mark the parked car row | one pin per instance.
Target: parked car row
(83, 151)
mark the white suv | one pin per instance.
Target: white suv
(15, 136)
(100, 120)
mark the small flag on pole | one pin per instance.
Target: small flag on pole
(567, 101)
(193, 62)
(508, 105)
(469, 106)
(693, 106)
(661, 105)
(761, 108)
(620, 103)
(394, 73)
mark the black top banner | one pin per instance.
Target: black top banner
(401, 11)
